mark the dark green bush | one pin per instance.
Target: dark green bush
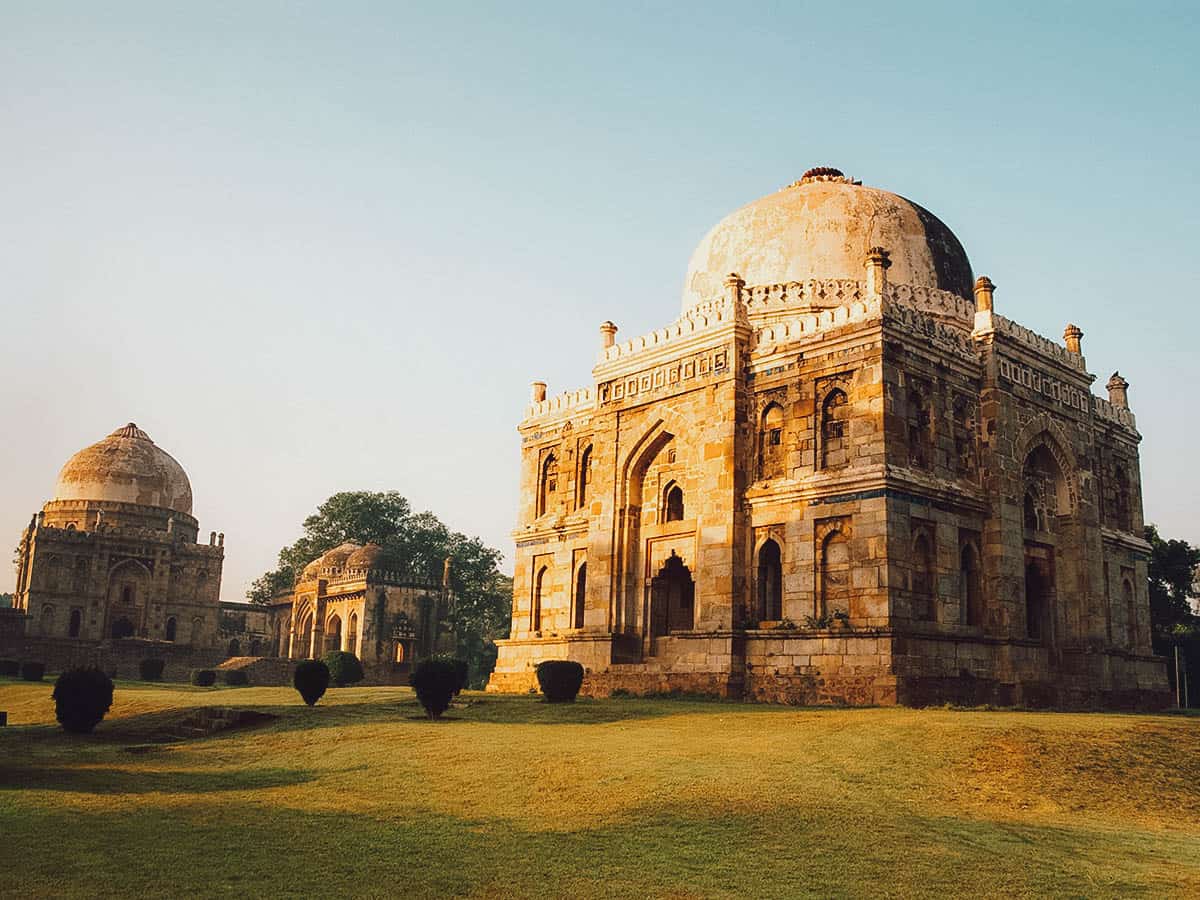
(560, 679)
(81, 699)
(203, 677)
(235, 677)
(461, 670)
(151, 669)
(10, 667)
(344, 668)
(436, 681)
(33, 671)
(311, 679)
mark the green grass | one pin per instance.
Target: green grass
(513, 797)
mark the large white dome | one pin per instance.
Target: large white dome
(126, 467)
(821, 227)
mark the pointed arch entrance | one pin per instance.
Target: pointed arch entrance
(672, 600)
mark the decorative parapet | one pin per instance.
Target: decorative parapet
(769, 298)
(698, 319)
(1115, 414)
(933, 330)
(798, 327)
(1036, 342)
(581, 400)
(934, 301)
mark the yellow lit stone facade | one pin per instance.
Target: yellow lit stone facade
(838, 477)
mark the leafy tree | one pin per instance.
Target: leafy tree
(1172, 571)
(420, 543)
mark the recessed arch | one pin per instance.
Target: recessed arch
(770, 581)
(672, 502)
(580, 594)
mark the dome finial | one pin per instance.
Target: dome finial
(131, 431)
(823, 173)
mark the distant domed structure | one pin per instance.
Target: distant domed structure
(114, 554)
(126, 467)
(821, 227)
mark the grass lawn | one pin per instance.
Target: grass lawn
(512, 797)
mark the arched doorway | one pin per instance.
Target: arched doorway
(672, 596)
(121, 628)
(235, 649)
(333, 633)
(75, 623)
(770, 582)
(302, 648)
(352, 634)
(172, 627)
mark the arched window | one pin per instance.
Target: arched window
(197, 631)
(255, 647)
(585, 476)
(924, 605)
(673, 503)
(770, 582)
(547, 484)
(127, 594)
(970, 587)
(47, 620)
(535, 609)
(770, 442)
(352, 634)
(834, 413)
(580, 593)
(169, 632)
(235, 648)
(76, 623)
(833, 586)
(1131, 629)
(1045, 496)
(920, 427)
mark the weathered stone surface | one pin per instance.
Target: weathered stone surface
(835, 485)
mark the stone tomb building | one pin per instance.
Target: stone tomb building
(839, 476)
(357, 598)
(114, 556)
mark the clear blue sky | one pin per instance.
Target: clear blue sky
(313, 247)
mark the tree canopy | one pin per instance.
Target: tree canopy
(1172, 573)
(420, 543)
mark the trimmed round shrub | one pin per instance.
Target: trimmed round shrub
(151, 669)
(560, 679)
(10, 667)
(436, 681)
(344, 668)
(461, 670)
(82, 697)
(203, 677)
(311, 679)
(33, 671)
(235, 677)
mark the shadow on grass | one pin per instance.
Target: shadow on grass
(95, 780)
(657, 850)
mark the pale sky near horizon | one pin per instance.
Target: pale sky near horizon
(313, 247)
